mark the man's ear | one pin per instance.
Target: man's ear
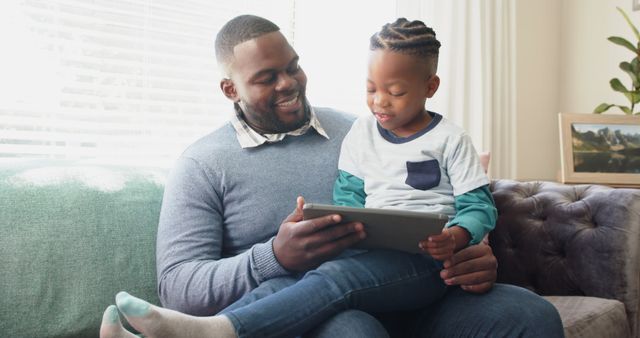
(432, 85)
(229, 89)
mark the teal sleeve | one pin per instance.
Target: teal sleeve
(349, 190)
(476, 212)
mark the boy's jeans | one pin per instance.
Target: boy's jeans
(372, 281)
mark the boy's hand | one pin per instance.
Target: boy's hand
(444, 245)
(440, 247)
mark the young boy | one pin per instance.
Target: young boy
(405, 157)
(401, 78)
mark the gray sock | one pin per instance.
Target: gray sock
(157, 322)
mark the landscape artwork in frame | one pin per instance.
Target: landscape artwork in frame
(602, 149)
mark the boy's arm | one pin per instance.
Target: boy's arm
(476, 213)
(348, 190)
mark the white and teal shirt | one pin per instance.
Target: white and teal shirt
(434, 170)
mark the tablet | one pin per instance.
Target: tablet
(385, 228)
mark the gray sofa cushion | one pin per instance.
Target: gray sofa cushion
(591, 317)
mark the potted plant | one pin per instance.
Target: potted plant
(631, 68)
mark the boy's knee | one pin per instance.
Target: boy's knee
(349, 324)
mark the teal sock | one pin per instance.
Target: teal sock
(111, 326)
(132, 306)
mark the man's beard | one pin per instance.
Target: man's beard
(270, 123)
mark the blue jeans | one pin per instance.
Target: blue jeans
(505, 311)
(372, 281)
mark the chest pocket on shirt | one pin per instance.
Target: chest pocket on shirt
(423, 175)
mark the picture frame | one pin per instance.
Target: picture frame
(600, 149)
(635, 4)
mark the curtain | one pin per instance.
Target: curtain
(477, 71)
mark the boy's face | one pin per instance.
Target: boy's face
(397, 87)
(268, 84)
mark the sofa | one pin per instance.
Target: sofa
(73, 234)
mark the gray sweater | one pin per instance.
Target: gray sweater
(223, 206)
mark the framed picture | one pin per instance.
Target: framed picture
(602, 149)
(636, 4)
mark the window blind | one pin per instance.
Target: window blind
(129, 81)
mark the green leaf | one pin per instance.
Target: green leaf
(603, 107)
(618, 86)
(634, 65)
(623, 42)
(627, 68)
(625, 109)
(633, 27)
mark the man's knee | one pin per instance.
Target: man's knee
(349, 324)
(505, 311)
(527, 313)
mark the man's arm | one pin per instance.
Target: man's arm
(193, 276)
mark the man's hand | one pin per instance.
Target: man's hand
(301, 245)
(473, 268)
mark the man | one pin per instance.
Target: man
(222, 234)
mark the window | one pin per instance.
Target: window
(114, 81)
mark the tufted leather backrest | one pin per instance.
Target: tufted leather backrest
(558, 239)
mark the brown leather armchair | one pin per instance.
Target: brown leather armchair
(579, 246)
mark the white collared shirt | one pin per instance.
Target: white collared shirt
(249, 138)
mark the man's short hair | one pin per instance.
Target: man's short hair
(238, 30)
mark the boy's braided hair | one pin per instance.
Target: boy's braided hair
(238, 30)
(407, 37)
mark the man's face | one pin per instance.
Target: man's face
(268, 84)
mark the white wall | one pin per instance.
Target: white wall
(589, 60)
(537, 88)
(563, 64)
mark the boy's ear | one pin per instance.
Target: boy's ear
(432, 85)
(229, 89)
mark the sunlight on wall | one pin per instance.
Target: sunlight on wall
(332, 39)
